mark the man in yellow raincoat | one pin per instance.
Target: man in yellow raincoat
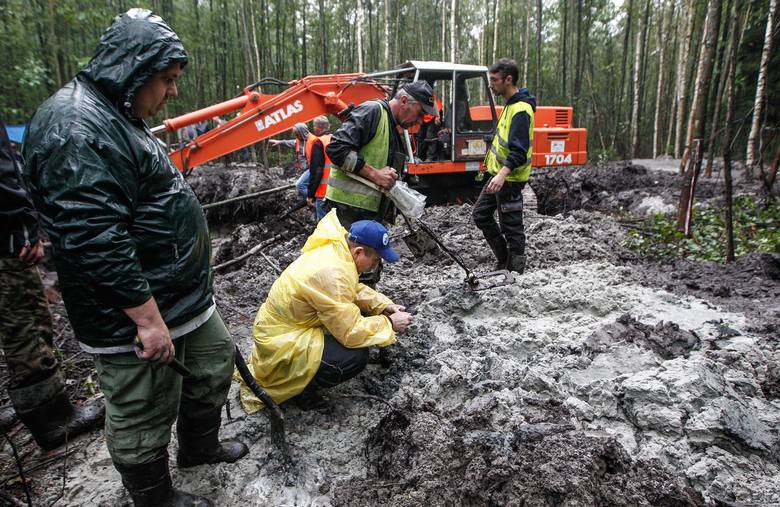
(318, 321)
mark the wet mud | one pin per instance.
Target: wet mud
(596, 378)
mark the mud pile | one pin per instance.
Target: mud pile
(595, 378)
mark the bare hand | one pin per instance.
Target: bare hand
(385, 177)
(273, 142)
(400, 321)
(157, 343)
(32, 254)
(391, 309)
(495, 183)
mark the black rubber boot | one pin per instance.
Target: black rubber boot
(47, 412)
(516, 263)
(149, 485)
(199, 441)
(498, 246)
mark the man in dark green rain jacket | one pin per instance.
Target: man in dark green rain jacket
(132, 250)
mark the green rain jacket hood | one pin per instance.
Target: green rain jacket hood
(124, 224)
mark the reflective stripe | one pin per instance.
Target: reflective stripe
(501, 159)
(352, 186)
(502, 142)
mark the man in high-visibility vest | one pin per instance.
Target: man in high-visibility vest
(369, 144)
(509, 163)
(319, 166)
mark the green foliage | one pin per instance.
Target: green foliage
(756, 229)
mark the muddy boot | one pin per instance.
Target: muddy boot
(498, 246)
(149, 485)
(516, 263)
(47, 412)
(199, 441)
(310, 398)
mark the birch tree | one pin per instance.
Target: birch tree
(754, 139)
(638, 57)
(682, 75)
(696, 127)
(359, 33)
(662, 76)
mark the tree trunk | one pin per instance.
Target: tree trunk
(639, 48)
(526, 44)
(752, 156)
(626, 39)
(359, 33)
(578, 56)
(731, 71)
(386, 56)
(496, 7)
(696, 127)
(718, 100)
(256, 49)
(772, 176)
(454, 31)
(323, 38)
(304, 70)
(53, 45)
(539, 51)
(659, 95)
(564, 50)
(682, 76)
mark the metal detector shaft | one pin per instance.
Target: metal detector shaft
(470, 278)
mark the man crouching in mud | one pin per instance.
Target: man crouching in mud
(132, 251)
(311, 331)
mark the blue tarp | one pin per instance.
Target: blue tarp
(15, 133)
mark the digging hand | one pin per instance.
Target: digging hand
(400, 321)
(391, 309)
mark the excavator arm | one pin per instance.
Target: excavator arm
(262, 116)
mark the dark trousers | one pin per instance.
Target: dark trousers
(339, 363)
(509, 203)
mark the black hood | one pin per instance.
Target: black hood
(524, 95)
(135, 46)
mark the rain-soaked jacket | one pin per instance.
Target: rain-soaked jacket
(318, 292)
(123, 223)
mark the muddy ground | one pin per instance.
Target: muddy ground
(596, 378)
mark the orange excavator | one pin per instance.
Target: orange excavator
(443, 157)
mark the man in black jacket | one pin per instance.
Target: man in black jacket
(36, 387)
(132, 251)
(369, 145)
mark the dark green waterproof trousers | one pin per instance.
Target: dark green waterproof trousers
(143, 399)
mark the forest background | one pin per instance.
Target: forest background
(631, 69)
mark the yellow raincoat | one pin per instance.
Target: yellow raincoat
(319, 291)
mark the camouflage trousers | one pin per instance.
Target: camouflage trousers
(25, 324)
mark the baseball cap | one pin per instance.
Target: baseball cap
(422, 93)
(373, 234)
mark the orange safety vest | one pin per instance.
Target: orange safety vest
(320, 193)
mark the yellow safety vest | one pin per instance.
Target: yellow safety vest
(499, 150)
(346, 190)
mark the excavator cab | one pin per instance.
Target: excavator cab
(446, 154)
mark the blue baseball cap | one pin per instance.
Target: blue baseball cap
(373, 234)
